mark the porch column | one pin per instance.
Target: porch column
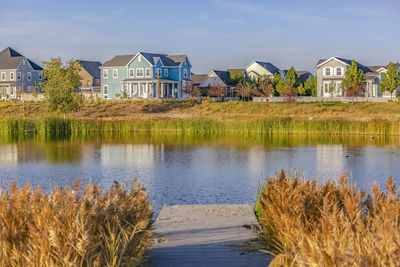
(162, 90)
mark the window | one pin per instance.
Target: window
(105, 74)
(139, 59)
(105, 90)
(165, 72)
(115, 73)
(158, 72)
(327, 72)
(18, 76)
(40, 76)
(23, 62)
(326, 87)
(12, 90)
(131, 72)
(185, 73)
(147, 72)
(139, 72)
(12, 76)
(338, 71)
(29, 90)
(3, 76)
(29, 76)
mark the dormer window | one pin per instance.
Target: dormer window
(166, 72)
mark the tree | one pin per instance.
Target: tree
(278, 84)
(301, 90)
(390, 80)
(235, 77)
(291, 83)
(61, 86)
(242, 90)
(264, 87)
(310, 86)
(354, 80)
(332, 88)
(218, 90)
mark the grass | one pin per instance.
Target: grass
(242, 118)
(74, 227)
(306, 224)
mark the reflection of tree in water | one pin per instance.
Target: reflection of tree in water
(63, 152)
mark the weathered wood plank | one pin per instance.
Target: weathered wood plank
(205, 235)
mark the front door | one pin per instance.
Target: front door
(165, 90)
(4, 91)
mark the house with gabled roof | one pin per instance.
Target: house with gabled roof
(258, 69)
(334, 69)
(18, 74)
(89, 73)
(217, 78)
(145, 75)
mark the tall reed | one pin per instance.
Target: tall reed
(305, 224)
(74, 227)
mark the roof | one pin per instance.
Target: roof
(10, 59)
(225, 76)
(198, 78)
(268, 66)
(345, 61)
(118, 61)
(167, 60)
(92, 67)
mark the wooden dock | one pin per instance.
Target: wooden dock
(206, 235)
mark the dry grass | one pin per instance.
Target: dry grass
(74, 227)
(231, 111)
(330, 225)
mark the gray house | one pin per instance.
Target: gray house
(334, 69)
(17, 73)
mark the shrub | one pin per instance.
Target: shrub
(306, 224)
(74, 227)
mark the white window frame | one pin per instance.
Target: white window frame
(105, 88)
(330, 71)
(19, 75)
(166, 72)
(326, 87)
(3, 76)
(341, 71)
(29, 76)
(185, 73)
(133, 72)
(139, 70)
(29, 89)
(139, 58)
(12, 76)
(115, 71)
(158, 72)
(147, 72)
(105, 73)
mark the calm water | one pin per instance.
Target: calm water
(189, 170)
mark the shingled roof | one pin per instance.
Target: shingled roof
(268, 66)
(92, 67)
(167, 60)
(198, 78)
(118, 61)
(10, 59)
(346, 61)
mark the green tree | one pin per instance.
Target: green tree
(235, 77)
(354, 80)
(301, 90)
(291, 78)
(332, 88)
(279, 85)
(390, 80)
(61, 86)
(310, 86)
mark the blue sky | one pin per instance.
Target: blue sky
(215, 34)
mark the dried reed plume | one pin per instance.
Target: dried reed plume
(74, 227)
(305, 224)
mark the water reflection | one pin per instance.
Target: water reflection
(178, 169)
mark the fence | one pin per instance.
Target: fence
(311, 99)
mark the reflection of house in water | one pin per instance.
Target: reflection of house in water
(330, 160)
(9, 154)
(140, 155)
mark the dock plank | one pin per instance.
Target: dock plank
(205, 235)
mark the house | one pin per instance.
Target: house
(258, 69)
(197, 79)
(145, 75)
(89, 73)
(18, 74)
(217, 78)
(334, 69)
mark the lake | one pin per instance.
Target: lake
(180, 169)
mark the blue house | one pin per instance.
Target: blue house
(145, 75)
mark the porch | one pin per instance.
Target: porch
(8, 90)
(151, 88)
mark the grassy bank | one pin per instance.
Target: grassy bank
(74, 227)
(206, 118)
(304, 224)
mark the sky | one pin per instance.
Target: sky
(215, 34)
